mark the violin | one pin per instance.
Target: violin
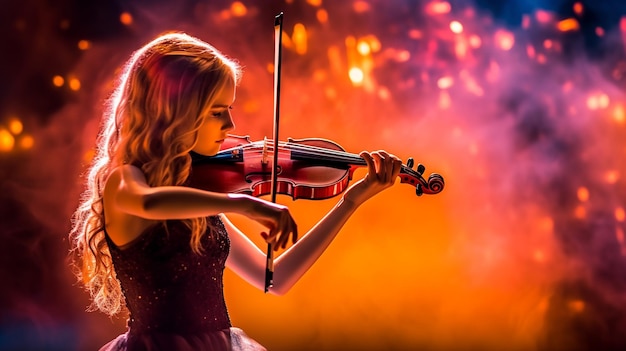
(311, 168)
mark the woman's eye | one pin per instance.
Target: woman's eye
(221, 113)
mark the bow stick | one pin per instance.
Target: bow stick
(278, 31)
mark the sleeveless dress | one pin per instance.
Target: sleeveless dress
(175, 297)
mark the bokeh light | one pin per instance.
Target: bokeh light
(84, 44)
(7, 141)
(238, 9)
(58, 81)
(15, 126)
(126, 18)
(456, 27)
(26, 142)
(356, 75)
(74, 84)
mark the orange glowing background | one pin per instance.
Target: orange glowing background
(523, 250)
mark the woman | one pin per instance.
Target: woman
(145, 240)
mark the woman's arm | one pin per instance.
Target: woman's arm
(248, 261)
(130, 192)
(131, 195)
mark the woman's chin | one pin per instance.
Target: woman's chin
(206, 152)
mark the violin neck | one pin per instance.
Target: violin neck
(337, 159)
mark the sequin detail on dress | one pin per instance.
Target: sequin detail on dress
(175, 296)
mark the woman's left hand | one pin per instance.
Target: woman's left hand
(382, 171)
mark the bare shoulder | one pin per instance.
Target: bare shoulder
(123, 175)
(122, 192)
(124, 184)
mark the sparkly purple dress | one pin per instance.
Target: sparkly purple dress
(175, 296)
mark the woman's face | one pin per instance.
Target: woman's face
(217, 123)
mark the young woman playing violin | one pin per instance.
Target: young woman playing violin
(145, 239)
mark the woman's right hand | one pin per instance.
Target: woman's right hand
(275, 217)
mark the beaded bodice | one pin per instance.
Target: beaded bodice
(168, 287)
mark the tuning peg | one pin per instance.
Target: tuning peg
(410, 162)
(420, 168)
(418, 190)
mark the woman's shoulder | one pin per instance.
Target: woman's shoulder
(122, 197)
(125, 172)
(127, 178)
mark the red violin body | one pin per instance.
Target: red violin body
(306, 169)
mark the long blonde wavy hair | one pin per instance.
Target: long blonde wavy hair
(162, 94)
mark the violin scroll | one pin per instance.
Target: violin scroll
(434, 185)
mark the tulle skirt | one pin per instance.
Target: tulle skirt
(232, 339)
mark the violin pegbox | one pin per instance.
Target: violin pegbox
(420, 167)
(414, 177)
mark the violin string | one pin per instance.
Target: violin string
(323, 154)
(314, 152)
(303, 150)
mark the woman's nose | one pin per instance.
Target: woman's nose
(229, 123)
